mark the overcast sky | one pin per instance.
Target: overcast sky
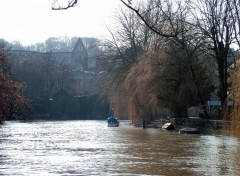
(31, 21)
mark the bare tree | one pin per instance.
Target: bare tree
(122, 51)
(131, 39)
(215, 21)
(218, 25)
(202, 25)
(173, 26)
(234, 15)
(160, 21)
(126, 44)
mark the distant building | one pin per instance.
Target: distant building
(81, 73)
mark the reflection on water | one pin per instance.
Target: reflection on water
(92, 148)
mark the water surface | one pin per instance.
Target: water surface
(92, 148)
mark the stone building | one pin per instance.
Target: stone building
(81, 73)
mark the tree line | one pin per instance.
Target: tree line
(14, 105)
(174, 54)
(170, 55)
(35, 87)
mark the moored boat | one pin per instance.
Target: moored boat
(113, 122)
(188, 130)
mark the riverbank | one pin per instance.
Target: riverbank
(214, 127)
(205, 126)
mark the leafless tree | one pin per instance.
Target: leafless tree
(129, 41)
(219, 28)
(215, 23)
(203, 25)
(234, 15)
(122, 51)
(173, 26)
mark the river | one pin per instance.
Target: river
(50, 148)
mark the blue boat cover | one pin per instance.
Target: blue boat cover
(112, 120)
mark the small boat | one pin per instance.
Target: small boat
(189, 131)
(168, 126)
(113, 122)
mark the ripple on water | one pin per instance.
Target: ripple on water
(91, 148)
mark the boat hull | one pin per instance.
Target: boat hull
(113, 125)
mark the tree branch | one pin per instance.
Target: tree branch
(57, 6)
(145, 21)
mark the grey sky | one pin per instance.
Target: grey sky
(31, 21)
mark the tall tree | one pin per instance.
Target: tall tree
(128, 43)
(172, 24)
(177, 89)
(213, 21)
(214, 18)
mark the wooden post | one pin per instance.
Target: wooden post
(144, 123)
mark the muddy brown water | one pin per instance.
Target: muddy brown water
(91, 148)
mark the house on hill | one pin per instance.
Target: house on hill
(79, 56)
(79, 73)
